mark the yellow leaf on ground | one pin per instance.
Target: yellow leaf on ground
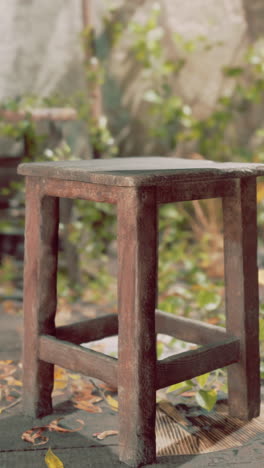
(59, 373)
(75, 376)
(12, 381)
(60, 384)
(60, 378)
(52, 461)
(112, 402)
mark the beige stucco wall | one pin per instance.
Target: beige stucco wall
(40, 53)
(40, 44)
(39, 47)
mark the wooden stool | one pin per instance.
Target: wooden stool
(138, 186)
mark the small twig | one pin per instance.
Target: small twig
(200, 214)
(101, 393)
(106, 398)
(14, 403)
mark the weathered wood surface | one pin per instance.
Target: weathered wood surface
(139, 171)
(195, 190)
(137, 194)
(242, 305)
(80, 190)
(182, 191)
(185, 366)
(78, 359)
(185, 329)
(40, 298)
(137, 270)
(89, 330)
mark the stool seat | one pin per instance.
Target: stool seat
(139, 171)
(137, 186)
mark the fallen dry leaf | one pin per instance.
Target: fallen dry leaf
(11, 307)
(7, 368)
(9, 384)
(35, 433)
(83, 389)
(213, 320)
(84, 399)
(12, 381)
(53, 426)
(87, 406)
(34, 436)
(60, 378)
(112, 402)
(52, 461)
(60, 373)
(107, 388)
(74, 376)
(104, 434)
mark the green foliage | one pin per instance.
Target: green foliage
(185, 287)
(205, 393)
(100, 218)
(101, 139)
(8, 270)
(172, 118)
(180, 387)
(206, 398)
(168, 113)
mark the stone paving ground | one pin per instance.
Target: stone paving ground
(80, 449)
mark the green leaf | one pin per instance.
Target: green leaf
(206, 398)
(202, 379)
(160, 348)
(180, 387)
(261, 329)
(224, 387)
(209, 300)
(52, 461)
(233, 71)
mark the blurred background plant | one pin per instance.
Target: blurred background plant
(191, 268)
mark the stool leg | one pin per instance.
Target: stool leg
(137, 275)
(242, 307)
(40, 277)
